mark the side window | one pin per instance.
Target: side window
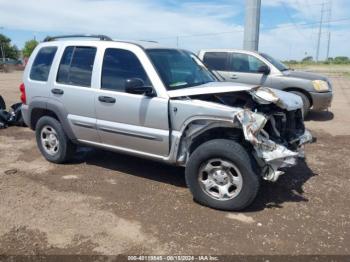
(216, 61)
(245, 63)
(118, 66)
(76, 66)
(42, 63)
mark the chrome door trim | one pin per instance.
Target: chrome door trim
(138, 135)
(84, 125)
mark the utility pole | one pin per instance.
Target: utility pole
(328, 45)
(252, 25)
(319, 34)
(329, 28)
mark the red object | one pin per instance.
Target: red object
(22, 88)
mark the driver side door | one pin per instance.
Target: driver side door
(135, 123)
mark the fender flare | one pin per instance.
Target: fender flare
(55, 107)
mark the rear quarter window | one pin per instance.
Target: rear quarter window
(217, 61)
(42, 63)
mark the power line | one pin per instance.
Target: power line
(319, 34)
(301, 25)
(329, 28)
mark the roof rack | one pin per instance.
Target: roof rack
(149, 41)
(101, 37)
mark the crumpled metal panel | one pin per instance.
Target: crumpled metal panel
(274, 155)
(285, 100)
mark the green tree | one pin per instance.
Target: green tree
(308, 59)
(342, 60)
(29, 47)
(7, 49)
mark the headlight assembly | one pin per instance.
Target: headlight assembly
(320, 85)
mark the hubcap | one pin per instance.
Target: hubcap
(49, 140)
(220, 179)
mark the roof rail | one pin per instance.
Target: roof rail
(101, 37)
(149, 41)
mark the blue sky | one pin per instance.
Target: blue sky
(288, 27)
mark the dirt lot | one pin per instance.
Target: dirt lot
(106, 203)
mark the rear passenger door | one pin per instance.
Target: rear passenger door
(130, 122)
(73, 88)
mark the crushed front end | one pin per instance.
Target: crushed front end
(271, 121)
(274, 126)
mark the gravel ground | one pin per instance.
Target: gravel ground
(107, 203)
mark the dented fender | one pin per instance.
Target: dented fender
(270, 155)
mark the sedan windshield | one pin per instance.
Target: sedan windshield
(179, 69)
(278, 64)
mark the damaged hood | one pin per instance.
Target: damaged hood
(210, 88)
(285, 100)
(262, 95)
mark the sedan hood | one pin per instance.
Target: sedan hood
(305, 75)
(262, 95)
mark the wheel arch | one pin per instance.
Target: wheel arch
(232, 133)
(52, 108)
(298, 89)
(199, 131)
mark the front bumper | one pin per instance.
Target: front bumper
(271, 156)
(321, 101)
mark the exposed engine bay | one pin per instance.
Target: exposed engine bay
(271, 121)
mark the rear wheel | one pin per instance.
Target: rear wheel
(306, 102)
(52, 141)
(220, 175)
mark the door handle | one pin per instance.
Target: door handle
(57, 91)
(107, 99)
(234, 77)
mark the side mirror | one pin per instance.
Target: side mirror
(137, 86)
(264, 69)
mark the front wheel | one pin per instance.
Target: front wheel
(306, 103)
(220, 175)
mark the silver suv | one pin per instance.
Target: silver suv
(162, 104)
(261, 69)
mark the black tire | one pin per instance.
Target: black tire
(306, 102)
(66, 148)
(228, 151)
(2, 104)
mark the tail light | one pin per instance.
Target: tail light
(22, 88)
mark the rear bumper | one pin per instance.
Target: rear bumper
(321, 101)
(25, 114)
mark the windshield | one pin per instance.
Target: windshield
(179, 69)
(278, 64)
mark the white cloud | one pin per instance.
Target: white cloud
(154, 20)
(127, 19)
